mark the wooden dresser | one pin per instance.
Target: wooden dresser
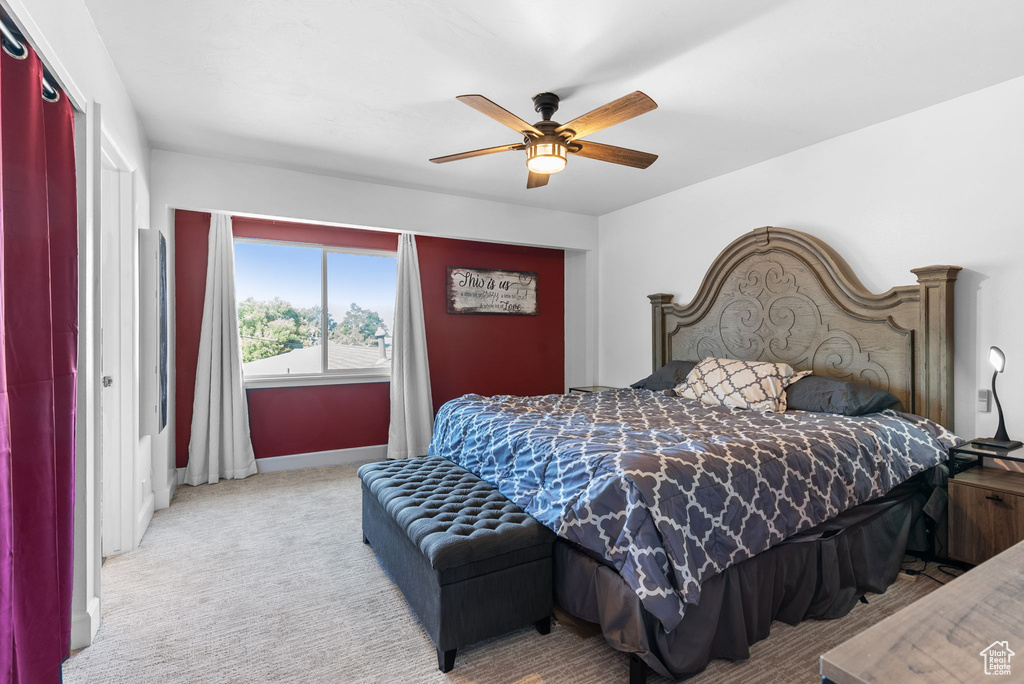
(986, 513)
(941, 637)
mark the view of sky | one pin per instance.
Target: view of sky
(369, 281)
(292, 273)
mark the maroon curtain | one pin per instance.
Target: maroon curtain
(38, 357)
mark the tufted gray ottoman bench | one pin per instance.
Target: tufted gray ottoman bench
(471, 564)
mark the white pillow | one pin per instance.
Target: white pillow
(755, 385)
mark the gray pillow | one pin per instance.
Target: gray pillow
(830, 395)
(666, 377)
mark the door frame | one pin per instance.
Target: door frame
(92, 144)
(86, 598)
(121, 495)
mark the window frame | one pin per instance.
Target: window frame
(326, 376)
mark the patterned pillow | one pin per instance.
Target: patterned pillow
(755, 385)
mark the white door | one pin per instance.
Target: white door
(117, 411)
(110, 359)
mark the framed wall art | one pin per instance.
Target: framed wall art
(492, 291)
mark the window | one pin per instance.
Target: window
(289, 337)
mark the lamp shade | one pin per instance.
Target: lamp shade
(997, 358)
(1001, 441)
(546, 157)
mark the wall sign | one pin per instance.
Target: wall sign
(488, 291)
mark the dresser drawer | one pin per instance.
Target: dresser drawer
(982, 522)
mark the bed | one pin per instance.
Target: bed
(685, 530)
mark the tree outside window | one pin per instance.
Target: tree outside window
(279, 287)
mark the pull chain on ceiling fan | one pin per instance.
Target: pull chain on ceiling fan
(548, 144)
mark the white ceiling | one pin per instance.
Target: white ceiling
(366, 89)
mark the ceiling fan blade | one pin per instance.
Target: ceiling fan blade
(615, 155)
(536, 180)
(498, 113)
(617, 111)
(478, 153)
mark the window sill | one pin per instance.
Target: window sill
(370, 375)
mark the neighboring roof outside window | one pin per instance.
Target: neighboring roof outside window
(307, 360)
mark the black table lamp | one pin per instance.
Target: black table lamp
(1001, 440)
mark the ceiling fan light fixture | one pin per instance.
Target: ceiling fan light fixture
(546, 157)
(548, 143)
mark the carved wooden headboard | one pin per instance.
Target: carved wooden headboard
(780, 295)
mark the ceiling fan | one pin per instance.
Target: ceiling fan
(548, 144)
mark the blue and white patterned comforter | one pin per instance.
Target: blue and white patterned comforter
(671, 491)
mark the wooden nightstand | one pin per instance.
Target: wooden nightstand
(986, 513)
(590, 388)
(973, 453)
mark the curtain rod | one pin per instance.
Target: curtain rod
(12, 43)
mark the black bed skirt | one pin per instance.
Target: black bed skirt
(820, 574)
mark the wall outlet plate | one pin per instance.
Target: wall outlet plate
(984, 401)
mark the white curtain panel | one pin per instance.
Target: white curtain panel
(412, 411)
(220, 446)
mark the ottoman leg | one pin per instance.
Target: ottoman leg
(446, 660)
(543, 625)
(365, 540)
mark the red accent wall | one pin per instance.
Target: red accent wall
(299, 420)
(191, 248)
(307, 232)
(485, 354)
(491, 353)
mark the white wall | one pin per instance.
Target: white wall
(186, 181)
(940, 186)
(206, 184)
(64, 36)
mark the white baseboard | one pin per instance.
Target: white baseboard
(84, 625)
(144, 517)
(163, 495)
(162, 498)
(314, 459)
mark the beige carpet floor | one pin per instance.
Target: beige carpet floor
(267, 580)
